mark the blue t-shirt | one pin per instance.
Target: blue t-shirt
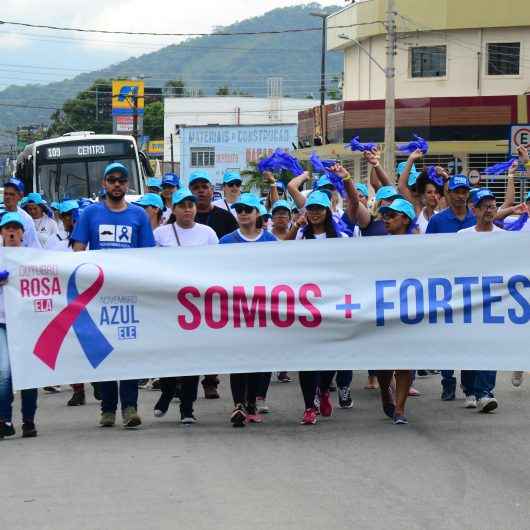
(102, 228)
(235, 237)
(446, 222)
(375, 228)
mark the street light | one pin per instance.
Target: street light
(322, 15)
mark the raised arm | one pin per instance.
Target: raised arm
(296, 194)
(403, 181)
(268, 177)
(525, 159)
(357, 212)
(509, 196)
(378, 176)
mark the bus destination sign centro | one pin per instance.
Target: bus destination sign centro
(84, 150)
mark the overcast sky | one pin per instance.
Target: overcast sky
(58, 55)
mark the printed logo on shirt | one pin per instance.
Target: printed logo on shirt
(115, 234)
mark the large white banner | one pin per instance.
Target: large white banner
(439, 302)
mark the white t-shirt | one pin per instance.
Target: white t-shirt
(225, 205)
(2, 307)
(166, 214)
(59, 243)
(196, 236)
(513, 218)
(473, 230)
(46, 228)
(423, 221)
(30, 238)
(300, 235)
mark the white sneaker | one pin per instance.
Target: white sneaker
(188, 420)
(471, 402)
(487, 404)
(261, 406)
(517, 379)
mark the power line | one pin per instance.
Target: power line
(155, 34)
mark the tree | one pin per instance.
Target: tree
(223, 91)
(88, 111)
(176, 88)
(154, 120)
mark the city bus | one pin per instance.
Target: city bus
(72, 165)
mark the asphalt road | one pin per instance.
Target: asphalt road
(450, 468)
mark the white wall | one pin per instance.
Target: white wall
(364, 81)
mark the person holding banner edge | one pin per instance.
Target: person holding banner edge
(115, 224)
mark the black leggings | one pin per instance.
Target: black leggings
(263, 387)
(246, 387)
(188, 393)
(310, 381)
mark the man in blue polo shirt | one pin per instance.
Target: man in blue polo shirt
(115, 224)
(451, 220)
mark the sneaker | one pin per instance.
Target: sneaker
(400, 420)
(188, 419)
(345, 400)
(261, 406)
(254, 418)
(310, 417)
(77, 399)
(487, 404)
(131, 418)
(108, 419)
(6, 429)
(326, 406)
(517, 379)
(161, 407)
(28, 429)
(413, 392)
(52, 389)
(470, 402)
(283, 377)
(238, 417)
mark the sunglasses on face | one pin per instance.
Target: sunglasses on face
(389, 216)
(120, 180)
(235, 184)
(244, 209)
(315, 208)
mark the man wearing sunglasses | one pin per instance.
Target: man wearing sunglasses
(231, 191)
(112, 223)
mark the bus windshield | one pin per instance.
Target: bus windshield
(75, 169)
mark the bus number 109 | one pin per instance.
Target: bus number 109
(54, 152)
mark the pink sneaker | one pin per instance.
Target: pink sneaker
(254, 418)
(326, 406)
(413, 392)
(310, 417)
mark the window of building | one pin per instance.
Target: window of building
(428, 61)
(504, 58)
(203, 157)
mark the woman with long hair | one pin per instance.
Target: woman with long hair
(45, 226)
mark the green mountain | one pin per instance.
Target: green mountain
(243, 63)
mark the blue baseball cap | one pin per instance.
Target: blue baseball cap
(55, 206)
(170, 179)
(318, 198)
(153, 182)
(68, 206)
(362, 189)
(263, 212)
(12, 217)
(184, 194)
(458, 181)
(200, 174)
(15, 183)
(150, 199)
(286, 205)
(481, 194)
(35, 198)
(324, 181)
(527, 197)
(386, 193)
(400, 206)
(248, 199)
(413, 175)
(231, 176)
(116, 167)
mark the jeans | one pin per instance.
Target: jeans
(128, 391)
(478, 383)
(28, 397)
(188, 391)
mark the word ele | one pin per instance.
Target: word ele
(218, 308)
(443, 299)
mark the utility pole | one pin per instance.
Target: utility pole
(390, 98)
(324, 17)
(135, 118)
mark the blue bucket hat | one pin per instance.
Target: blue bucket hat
(362, 189)
(12, 217)
(150, 199)
(324, 181)
(170, 179)
(386, 193)
(318, 198)
(153, 182)
(231, 176)
(413, 175)
(286, 205)
(458, 181)
(116, 167)
(15, 183)
(400, 206)
(200, 175)
(248, 199)
(481, 194)
(184, 194)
